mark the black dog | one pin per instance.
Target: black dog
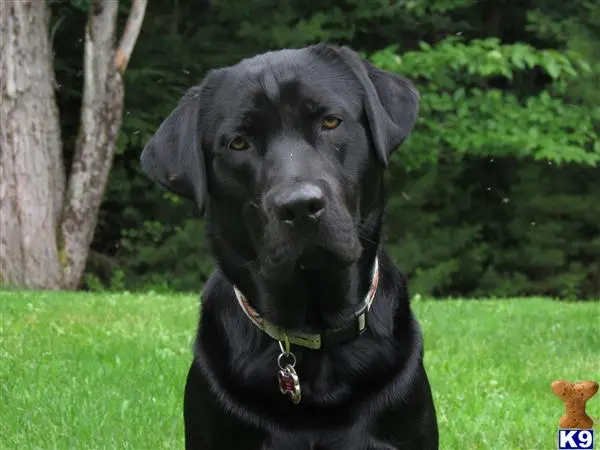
(285, 153)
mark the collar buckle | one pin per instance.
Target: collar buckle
(350, 330)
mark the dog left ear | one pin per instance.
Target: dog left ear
(391, 103)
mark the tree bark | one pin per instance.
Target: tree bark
(31, 167)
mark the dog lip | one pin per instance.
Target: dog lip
(312, 258)
(318, 257)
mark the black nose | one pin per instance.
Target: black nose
(299, 203)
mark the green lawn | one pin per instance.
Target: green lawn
(96, 371)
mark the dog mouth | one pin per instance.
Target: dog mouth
(318, 257)
(314, 258)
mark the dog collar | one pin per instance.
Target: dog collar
(328, 338)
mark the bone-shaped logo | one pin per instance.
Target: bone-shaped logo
(574, 396)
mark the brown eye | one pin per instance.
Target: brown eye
(330, 122)
(238, 143)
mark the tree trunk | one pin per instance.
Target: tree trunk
(31, 167)
(45, 231)
(101, 117)
(101, 110)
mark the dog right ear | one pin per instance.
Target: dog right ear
(174, 157)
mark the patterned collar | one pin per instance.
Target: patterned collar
(315, 341)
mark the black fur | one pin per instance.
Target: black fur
(305, 273)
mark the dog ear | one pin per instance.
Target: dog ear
(174, 157)
(391, 103)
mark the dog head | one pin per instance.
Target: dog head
(284, 153)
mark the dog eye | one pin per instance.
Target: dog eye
(331, 122)
(238, 143)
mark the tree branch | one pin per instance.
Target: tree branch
(130, 35)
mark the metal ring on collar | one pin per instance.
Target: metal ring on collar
(286, 355)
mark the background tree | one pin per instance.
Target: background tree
(48, 219)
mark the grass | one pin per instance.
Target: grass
(107, 371)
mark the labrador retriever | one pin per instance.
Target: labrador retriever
(306, 339)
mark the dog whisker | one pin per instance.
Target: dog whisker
(246, 263)
(370, 241)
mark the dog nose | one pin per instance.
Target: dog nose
(302, 203)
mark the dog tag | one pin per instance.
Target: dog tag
(289, 383)
(288, 380)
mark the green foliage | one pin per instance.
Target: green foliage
(497, 227)
(171, 260)
(493, 194)
(462, 111)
